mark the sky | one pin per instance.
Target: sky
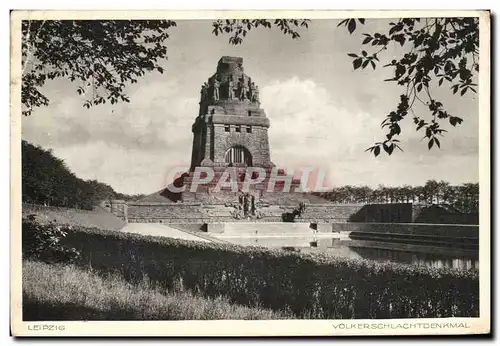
(322, 113)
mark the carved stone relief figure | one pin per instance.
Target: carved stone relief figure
(246, 207)
(204, 92)
(255, 93)
(216, 90)
(251, 92)
(230, 91)
(243, 91)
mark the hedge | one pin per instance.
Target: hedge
(309, 285)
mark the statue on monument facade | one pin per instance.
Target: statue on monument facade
(254, 93)
(216, 86)
(243, 91)
(204, 92)
(230, 91)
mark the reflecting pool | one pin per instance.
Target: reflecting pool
(341, 245)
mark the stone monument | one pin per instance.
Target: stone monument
(231, 132)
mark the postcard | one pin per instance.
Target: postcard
(250, 173)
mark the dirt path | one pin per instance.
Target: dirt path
(160, 230)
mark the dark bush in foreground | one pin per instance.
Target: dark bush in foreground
(58, 292)
(312, 286)
(44, 241)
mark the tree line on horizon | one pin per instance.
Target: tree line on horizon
(46, 180)
(463, 198)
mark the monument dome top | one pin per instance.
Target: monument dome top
(230, 65)
(229, 84)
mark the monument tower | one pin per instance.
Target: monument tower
(231, 128)
(230, 131)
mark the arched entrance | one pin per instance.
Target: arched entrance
(238, 155)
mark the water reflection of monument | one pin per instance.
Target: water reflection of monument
(351, 249)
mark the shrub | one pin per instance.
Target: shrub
(63, 292)
(43, 241)
(312, 285)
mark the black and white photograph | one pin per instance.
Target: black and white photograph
(327, 173)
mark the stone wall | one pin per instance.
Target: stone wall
(220, 208)
(255, 142)
(195, 213)
(464, 237)
(119, 208)
(391, 212)
(165, 213)
(325, 213)
(442, 230)
(209, 213)
(442, 214)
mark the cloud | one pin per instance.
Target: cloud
(311, 126)
(155, 110)
(308, 123)
(126, 170)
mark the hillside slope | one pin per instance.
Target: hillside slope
(98, 217)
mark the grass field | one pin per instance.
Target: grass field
(98, 218)
(65, 292)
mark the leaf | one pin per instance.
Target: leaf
(367, 40)
(400, 70)
(388, 148)
(373, 64)
(364, 53)
(441, 81)
(431, 143)
(397, 129)
(361, 20)
(357, 63)
(437, 142)
(352, 55)
(160, 69)
(351, 26)
(464, 90)
(343, 22)
(376, 151)
(365, 63)
(455, 120)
